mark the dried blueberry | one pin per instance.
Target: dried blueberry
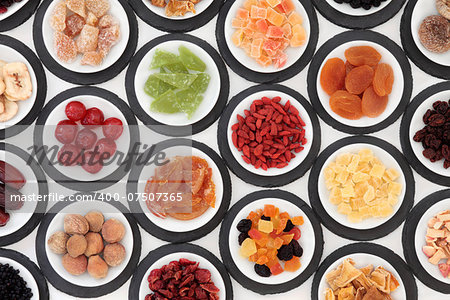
(297, 250)
(262, 270)
(242, 237)
(289, 226)
(244, 225)
(263, 217)
(285, 253)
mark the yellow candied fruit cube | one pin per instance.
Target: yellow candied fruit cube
(385, 209)
(361, 188)
(376, 201)
(295, 18)
(342, 176)
(237, 37)
(273, 3)
(346, 200)
(363, 167)
(331, 184)
(249, 3)
(274, 17)
(377, 171)
(353, 166)
(354, 217)
(344, 159)
(329, 173)
(395, 188)
(393, 174)
(360, 177)
(248, 247)
(265, 226)
(366, 155)
(392, 199)
(375, 182)
(375, 161)
(344, 208)
(375, 211)
(369, 195)
(336, 196)
(348, 191)
(365, 212)
(298, 36)
(381, 191)
(357, 203)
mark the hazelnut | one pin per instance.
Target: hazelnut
(76, 245)
(75, 266)
(75, 224)
(94, 244)
(57, 242)
(97, 267)
(114, 254)
(95, 220)
(113, 231)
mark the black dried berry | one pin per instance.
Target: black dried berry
(244, 225)
(297, 250)
(285, 253)
(263, 217)
(262, 270)
(289, 226)
(242, 236)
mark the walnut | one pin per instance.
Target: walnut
(75, 224)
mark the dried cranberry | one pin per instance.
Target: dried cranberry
(436, 120)
(446, 152)
(420, 135)
(427, 115)
(447, 164)
(75, 111)
(429, 153)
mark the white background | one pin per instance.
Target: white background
(240, 189)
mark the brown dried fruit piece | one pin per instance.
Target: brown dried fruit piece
(74, 25)
(348, 67)
(107, 21)
(57, 242)
(65, 47)
(77, 6)
(92, 58)
(114, 254)
(107, 38)
(383, 79)
(95, 220)
(346, 105)
(75, 266)
(98, 7)
(75, 224)
(58, 18)
(97, 267)
(94, 244)
(373, 105)
(434, 34)
(76, 245)
(88, 39)
(113, 231)
(91, 19)
(359, 79)
(362, 55)
(332, 76)
(176, 8)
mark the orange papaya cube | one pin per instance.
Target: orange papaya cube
(287, 29)
(271, 46)
(238, 23)
(287, 238)
(274, 17)
(253, 257)
(284, 43)
(237, 37)
(272, 254)
(288, 6)
(262, 251)
(250, 30)
(272, 261)
(258, 12)
(243, 14)
(263, 4)
(264, 60)
(273, 3)
(274, 32)
(292, 265)
(278, 242)
(262, 260)
(262, 242)
(279, 60)
(256, 48)
(255, 234)
(281, 225)
(284, 215)
(246, 45)
(279, 9)
(262, 26)
(297, 220)
(269, 210)
(276, 269)
(294, 18)
(259, 35)
(248, 4)
(298, 36)
(270, 244)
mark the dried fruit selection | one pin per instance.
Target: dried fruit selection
(5, 4)
(435, 135)
(182, 188)
(85, 247)
(180, 84)
(81, 147)
(270, 133)
(12, 285)
(15, 86)
(11, 181)
(361, 186)
(443, 7)
(434, 31)
(268, 237)
(437, 247)
(176, 8)
(182, 279)
(264, 29)
(360, 86)
(349, 282)
(366, 4)
(84, 27)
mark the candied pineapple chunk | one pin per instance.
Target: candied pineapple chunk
(392, 174)
(355, 217)
(344, 208)
(395, 188)
(369, 195)
(348, 191)
(377, 171)
(344, 159)
(360, 177)
(353, 166)
(336, 196)
(342, 176)
(366, 155)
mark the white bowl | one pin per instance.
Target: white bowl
(345, 8)
(25, 274)
(161, 11)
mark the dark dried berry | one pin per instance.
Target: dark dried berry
(420, 135)
(446, 152)
(263, 217)
(244, 225)
(436, 120)
(427, 115)
(262, 270)
(429, 153)
(285, 253)
(242, 236)
(297, 250)
(447, 164)
(442, 107)
(289, 226)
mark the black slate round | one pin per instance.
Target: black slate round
(409, 283)
(409, 245)
(358, 35)
(155, 255)
(86, 291)
(272, 77)
(175, 24)
(358, 22)
(84, 78)
(361, 234)
(41, 88)
(177, 131)
(48, 166)
(413, 52)
(406, 140)
(32, 268)
(156, 229)
(41, 206)
(260, 180)
(238, 275)
(20, 16)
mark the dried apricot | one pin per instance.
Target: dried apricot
(348, 67)
(373, 105)
(362, 55)
(346, 105)
(383, 79)
(332, 76)
(359, 79)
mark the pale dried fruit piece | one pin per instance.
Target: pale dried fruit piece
(75, 266)
(65, 47)
(94, 244)
(57, 242)
(443, 7)
(58, 18)
(10, 109)
(113, 231)
(17, 81)
(91, 19)
(2, 106)
(434, 34)
(107, 21)
(92, 58)
(74, 25)
(107, 38)
(75, 224)
(98, 7)
(2, 64)
(88, 39)
(95, 220)
(76, 245)
(97, 267)
(77, 6)
(114, 254)
(177, 8)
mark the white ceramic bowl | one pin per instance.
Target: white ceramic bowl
(161, 11)
(25, 274)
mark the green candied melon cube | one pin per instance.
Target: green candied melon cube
(188, 101)
(154, 87)
(201, 83)
(181, 81)
(176, 68)
(166, 103)
(190, 60)
(162, 58)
